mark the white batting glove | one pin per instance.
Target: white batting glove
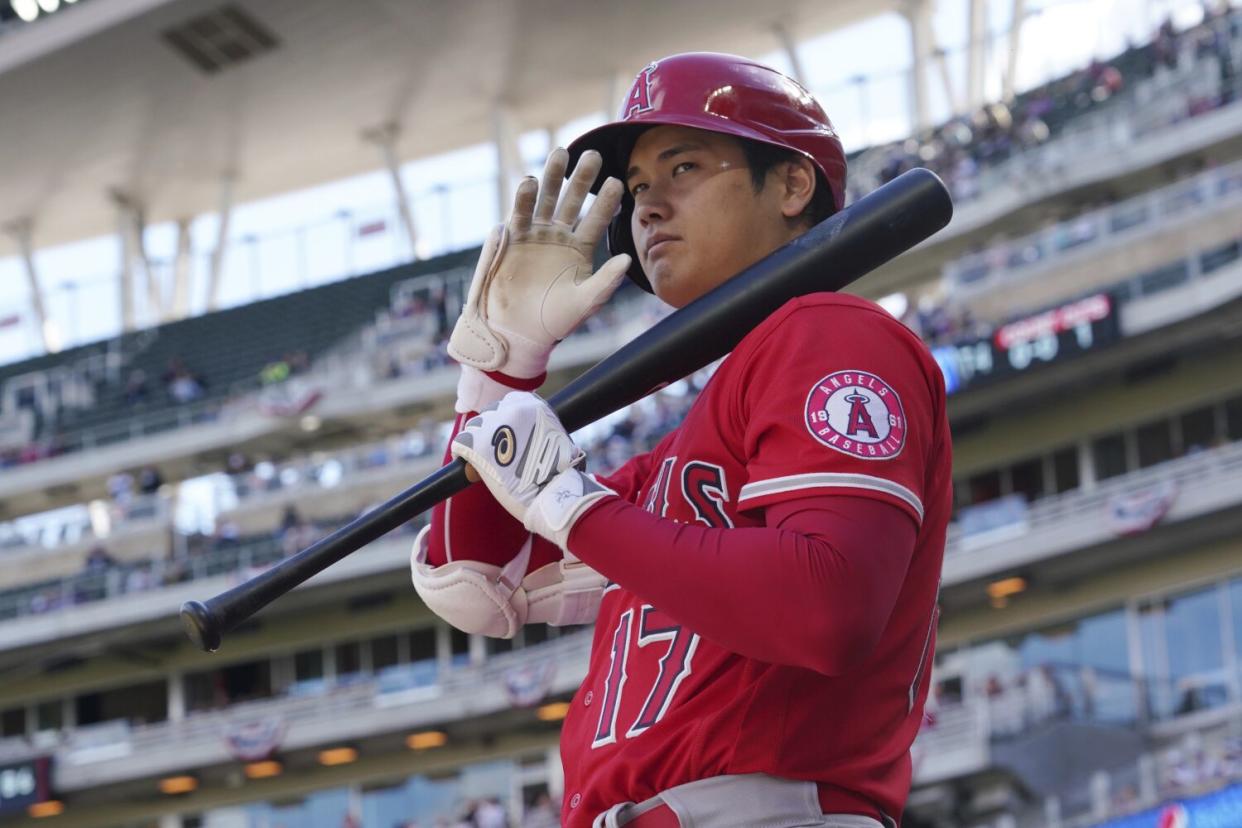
(525, 458)
(533, 283)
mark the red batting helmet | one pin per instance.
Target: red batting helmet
(719, 93)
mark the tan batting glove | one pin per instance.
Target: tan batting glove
(533, 284)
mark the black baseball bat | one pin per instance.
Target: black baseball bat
(878, 227)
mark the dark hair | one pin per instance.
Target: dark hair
(763, 158)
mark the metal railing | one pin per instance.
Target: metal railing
(565, 657)
(1020, 258)
(72, 526)
(1150, 107)
(1212, 469)
(244, 558)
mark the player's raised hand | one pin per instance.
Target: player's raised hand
(533, 284)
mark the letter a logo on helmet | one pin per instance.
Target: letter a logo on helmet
(719, 93)
(639, 100)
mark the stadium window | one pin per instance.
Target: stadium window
(348, 658)
(1179, 201)
(422, 644)
(534, 634)
(308, 665)
(1198, 430)
(1218, 257)
(137, 703)
(1065, 469)
(383, 652)
(212, 689)
(1164, 278)
(200, 692)
(1025, 253)
(1184, 653)
(1123, 217)
(1233, 418)
(1027, 478)
(13, 722)
(243, 682)
(50, 715)
(1109, 454)
(1235, 605)
(984, 487)
(459, 646)
(1155, 443)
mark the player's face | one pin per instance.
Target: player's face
(697, 219)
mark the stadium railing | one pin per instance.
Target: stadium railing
(384, 704)
(1190, 486)
(1026, 256)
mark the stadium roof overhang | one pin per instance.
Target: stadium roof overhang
(98, 101)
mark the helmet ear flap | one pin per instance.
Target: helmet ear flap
(621, 240)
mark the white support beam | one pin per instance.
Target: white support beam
(132, 225)
(385, 138)
(976, 53)
(1015, 46)
(125, 278)
(155, 295)
(956, 105)
(22, 232)
(791, 51)
(222, 242)
(176, 697)
(922, 45)
(179, 306)
(509, 167)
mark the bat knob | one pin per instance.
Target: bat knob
(201, 626)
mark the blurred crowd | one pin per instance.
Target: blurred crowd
(410, 336)
(968, 144)
(224, 551)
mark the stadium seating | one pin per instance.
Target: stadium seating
(225, 351)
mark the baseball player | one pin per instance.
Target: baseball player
(764, 582)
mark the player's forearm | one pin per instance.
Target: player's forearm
(817, 598)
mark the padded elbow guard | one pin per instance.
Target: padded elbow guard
(482, 598)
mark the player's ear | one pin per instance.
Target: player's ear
(797, 180)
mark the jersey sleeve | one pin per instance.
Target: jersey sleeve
(837, 399)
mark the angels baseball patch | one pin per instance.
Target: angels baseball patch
(857, 413)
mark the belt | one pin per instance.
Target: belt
(662, 816)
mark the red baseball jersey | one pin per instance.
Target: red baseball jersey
(829, 395)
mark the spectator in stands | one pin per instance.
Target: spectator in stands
(183, 385)
(136, 387)
(542, 813)
(491, 814)
(139, 579)
(98, 560)
(274, 373)
(294, 532)
(121, 488)
(227, 535)
(289, 520)
(237, 467)
(149, 480)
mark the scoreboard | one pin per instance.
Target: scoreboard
(23, 784)
(1051, 336)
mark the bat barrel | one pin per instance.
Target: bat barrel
(206, 622)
